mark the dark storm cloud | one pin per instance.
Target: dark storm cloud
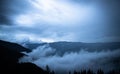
(5, 20)
(112, 11)
(11, 8)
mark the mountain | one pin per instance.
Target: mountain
(63, 47)
(9, 56)
(32, 46)
(13, 46)
(65, 56)
(67, 47)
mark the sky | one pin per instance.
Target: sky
(60, 20)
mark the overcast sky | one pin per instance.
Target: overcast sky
(60, 20)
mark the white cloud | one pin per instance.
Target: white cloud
(24, 20)
(56, 12)
(71, 61)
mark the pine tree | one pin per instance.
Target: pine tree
(47, 68)
(100, 71)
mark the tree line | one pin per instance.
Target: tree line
(99, 71)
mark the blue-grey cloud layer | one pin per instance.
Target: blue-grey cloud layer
(102, 26)
(106, 60)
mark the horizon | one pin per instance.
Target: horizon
(32, 42)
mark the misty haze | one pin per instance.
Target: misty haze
(60, 36)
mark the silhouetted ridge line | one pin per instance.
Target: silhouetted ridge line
(9, 55)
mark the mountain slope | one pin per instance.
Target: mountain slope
(63, 47)
(67, 47)
(9, 55)
(13, 46)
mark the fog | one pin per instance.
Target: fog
(43, 56)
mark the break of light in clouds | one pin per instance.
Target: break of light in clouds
(55, 13)
(60, 20)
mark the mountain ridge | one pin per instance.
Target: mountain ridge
(68, 47)
(9, 57)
